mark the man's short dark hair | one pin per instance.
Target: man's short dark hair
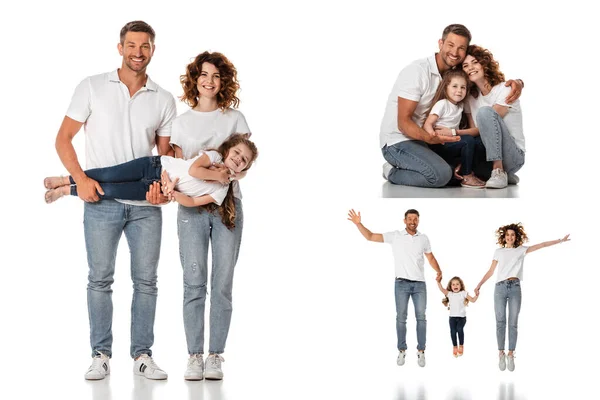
(411, 211)
(457, 29)
(137, 26)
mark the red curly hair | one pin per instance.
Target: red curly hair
(229, 84)
(491, 67)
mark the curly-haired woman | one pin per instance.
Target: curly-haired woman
(499, 124)
(509, 261)
(209, 87)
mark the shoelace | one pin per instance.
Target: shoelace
(195, 359)
(215, 360)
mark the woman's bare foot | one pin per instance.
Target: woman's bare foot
(54, 194)
(52, 182)
(471, 181)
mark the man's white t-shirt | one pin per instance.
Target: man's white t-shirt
(416, 82)
(188, 185)
(408, 253)
(513, 119)
(510, 262)
(195, 131)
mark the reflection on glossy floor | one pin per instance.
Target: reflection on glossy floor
(389, 190)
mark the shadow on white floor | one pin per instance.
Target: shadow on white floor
(389, 190)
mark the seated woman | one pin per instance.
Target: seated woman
(499, 124)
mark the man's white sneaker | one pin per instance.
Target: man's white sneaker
(212, 369)
(421, 359)
(387, 167)
(99, 368)
(502, 362)
(498, 180)
(510, 362)
(195, 368)
(146, 366)
(401, 357)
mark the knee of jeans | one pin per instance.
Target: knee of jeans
(485, 114)
(145, 286)
(420, 316)
(442, 177)
(100, 284)
(193, 277)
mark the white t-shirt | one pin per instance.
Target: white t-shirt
(416, 82)
(195, 131)
(188, 185)
(456, 302)
(119, 128)
(510, 262)
(513, 119)
(408, 253)
(449, 114)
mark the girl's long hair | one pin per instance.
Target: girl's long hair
(227, 207)
(446, 300)
(440, 94)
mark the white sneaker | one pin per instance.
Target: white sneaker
(498, 180)
(421, 360)
(99, 368)
(502, 362)
(212, 369)
(401, 357)
(146, 366)
(513, 179)
(387, 167)
(510, 362)
(195, 368)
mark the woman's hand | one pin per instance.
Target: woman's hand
(476, 291)
(566, 238)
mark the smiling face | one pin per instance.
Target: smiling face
(412, 222)
(456, 90)
(453, 49)
(510, 238)
(238, 158)
(455, 285)
(473, 69)
(209, 81)
(137, 50)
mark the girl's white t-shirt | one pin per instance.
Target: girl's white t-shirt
(510, 262)
(449, 114)
(456, 303)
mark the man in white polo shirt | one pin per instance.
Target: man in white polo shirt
(408, 247)
(124, 114)
(403, 141)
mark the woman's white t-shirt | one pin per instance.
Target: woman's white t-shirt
(510, 262)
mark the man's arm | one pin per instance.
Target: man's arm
(370, 236)
(87, 188)
(516, 87)
(406, 109)
(434, 264)
(163, 146)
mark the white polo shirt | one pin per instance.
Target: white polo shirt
(510, 262)
(119, 128)
(408, 253)
(417, 82)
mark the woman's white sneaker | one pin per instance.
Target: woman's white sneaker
(212, 368)
(195, 368)
(99, 369)
(498, 180)
(502, 362)
(510, 362)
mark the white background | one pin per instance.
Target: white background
(314, 306)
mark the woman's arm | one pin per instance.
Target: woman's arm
(501, 110)
(442, 288)
(200, 170)
(486, 276)
(178, 151)
(430, 123)
(547, 244)
(472, 130)
(188, 201)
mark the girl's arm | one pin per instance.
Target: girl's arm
(188, 201)
(442, 288)
(486, 276)
(178, 151)
(547, 244)
(472, 299)
(430, 123)
(472, 130)
(200, 170)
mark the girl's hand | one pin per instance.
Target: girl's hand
(168, 186)
(224, 176)
(477, 291)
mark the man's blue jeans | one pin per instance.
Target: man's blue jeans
(196, 230)
(507, 292)
(103, 223)
(416, 165)
(404, 289)
(127, 181)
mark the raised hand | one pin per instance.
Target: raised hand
(354, 217)
(566, 238)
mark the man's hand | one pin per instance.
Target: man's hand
(516, 88)
(439, 276)
(354, 217)
(154, 195)
(436, 139)
(88, 189)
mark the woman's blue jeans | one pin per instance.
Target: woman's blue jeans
(507, 292)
